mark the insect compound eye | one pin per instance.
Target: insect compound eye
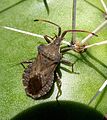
(40, 48)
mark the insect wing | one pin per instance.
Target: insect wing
(38, 77)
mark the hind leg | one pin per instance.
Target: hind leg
(59, 84)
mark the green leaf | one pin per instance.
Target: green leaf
(16, 47)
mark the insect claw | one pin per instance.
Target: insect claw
(58, 95)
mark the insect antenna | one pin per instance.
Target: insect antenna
(59, 28)
(66, 31)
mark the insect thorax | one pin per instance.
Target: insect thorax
(50, 51)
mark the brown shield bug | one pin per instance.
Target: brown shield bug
(40, 74)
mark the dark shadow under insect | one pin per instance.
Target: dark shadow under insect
(40, 74)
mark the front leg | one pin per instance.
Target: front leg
(27, 62)
(49, 39)
(64, 50)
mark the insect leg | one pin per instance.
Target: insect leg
(68, 63)
(48, 38)
(59, 84)
(64, 50)
(25, 62)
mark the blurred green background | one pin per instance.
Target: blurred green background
(16, 47)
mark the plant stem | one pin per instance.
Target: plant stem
(24, 32)
(104, 5)
(73, 21)
(98, 92)
(95, 31)
(96, 44)
(29, 33)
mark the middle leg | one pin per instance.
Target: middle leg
(68, 63)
